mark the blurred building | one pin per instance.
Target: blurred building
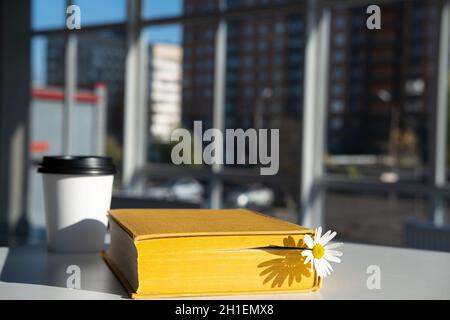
(100, 58)
(198, 72)
(264, 74)
(379, 87)
(164, 89)
(382, 82)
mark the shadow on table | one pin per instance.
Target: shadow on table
(34, 265)
(288, 266)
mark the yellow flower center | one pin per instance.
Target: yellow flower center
(318, 251)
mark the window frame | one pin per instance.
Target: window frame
(314, 181)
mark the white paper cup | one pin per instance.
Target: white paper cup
(77, 193)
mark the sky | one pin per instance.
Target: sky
(50, 14)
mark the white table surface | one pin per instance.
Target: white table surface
(29, 272)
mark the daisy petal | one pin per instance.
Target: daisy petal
(306, 253)
(318, 264)
(331, 257)
(327, 266)
(308, 259)
(326, 270)
(334, 253)
(308, 241)
(318, 234)
(333, 245)
(327, 238)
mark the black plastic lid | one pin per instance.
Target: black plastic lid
(90, 165)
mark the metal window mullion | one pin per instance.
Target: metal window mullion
(316, 73)
(70, 89)
(321, 114)
(84, 29)
(132, 153)
(219, 106)
(440, 134)
(142, 125)
(100, 124)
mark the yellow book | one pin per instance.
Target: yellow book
(191, 252)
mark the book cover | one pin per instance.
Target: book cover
(191, 252)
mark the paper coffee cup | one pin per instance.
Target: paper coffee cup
(77, 191)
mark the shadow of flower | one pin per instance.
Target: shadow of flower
(289, 267)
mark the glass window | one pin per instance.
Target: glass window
(280, 27)
(180, 94)
(248, 46)
(43, 55)
(248, 76)
(268, 96)
(46, 111)
(48, 14)
(248, 62)
(338, 56)
(339, 21)
(296, 25)
(278, 60)
(296, 58)
(277, 76)
(248, 29)
(101, 70)
(380, 103)
(264, 28)
(171, 105)
(337, 89)
(152, 9)
(262, 45)
(278, 44)
(337, 106)
(339, 39)
(338, 73)
(101, 11)
(376, 218)
(243, 4)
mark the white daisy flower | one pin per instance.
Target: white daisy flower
(319, 252)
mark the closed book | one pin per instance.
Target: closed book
(192, 252)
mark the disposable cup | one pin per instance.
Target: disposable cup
(77, 191)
